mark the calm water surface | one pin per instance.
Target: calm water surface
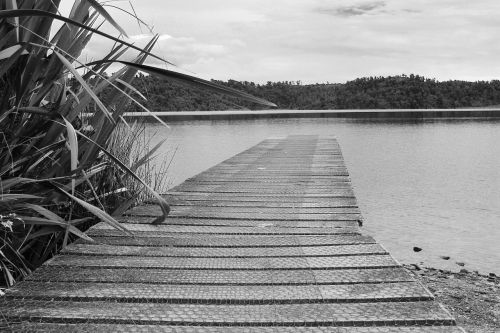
(432, 184)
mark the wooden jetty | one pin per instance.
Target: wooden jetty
(267, 241)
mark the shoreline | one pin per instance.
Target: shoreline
(472, 298)
(485, 113)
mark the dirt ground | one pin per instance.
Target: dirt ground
(473, 299)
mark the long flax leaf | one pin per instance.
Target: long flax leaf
(5, 197)
(147, 156)
(193, 80)
(34, 12)
(102, 215)
(12, 60)
(44, 212)
(10, 51)
(6, 184)
(85, 86)
(73, 146)
(100, 9)
(132, 88)
(103, 85)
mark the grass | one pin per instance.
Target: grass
(133, 146)
(62, 140)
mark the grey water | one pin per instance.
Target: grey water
(434, 184)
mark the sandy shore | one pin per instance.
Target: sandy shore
(472, 298)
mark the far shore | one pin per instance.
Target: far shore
(348, 114)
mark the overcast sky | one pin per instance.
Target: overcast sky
(321, 40)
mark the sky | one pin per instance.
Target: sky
(317, 41)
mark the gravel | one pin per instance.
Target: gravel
(472, 298)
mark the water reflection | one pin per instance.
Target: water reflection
(428, 183)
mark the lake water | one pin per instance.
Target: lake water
(434, 184)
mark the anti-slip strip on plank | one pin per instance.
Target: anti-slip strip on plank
(225, 232)
(168, 228)
(233, 241)
(263, 195)
(238, 223)
(320, 314)
(341, 250)
(221, 277)
(262, 227)
(216, 204)
(260, 217)
(207, 294)
(295, 209)
(106, 328)
(256, 199)
(362, 261)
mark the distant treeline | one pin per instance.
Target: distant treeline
(393, 92)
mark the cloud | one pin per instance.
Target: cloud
(355, 10)
(185, 51)
(412, 11)
(321, 40)
(141, 37)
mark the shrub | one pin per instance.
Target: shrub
(57, 168)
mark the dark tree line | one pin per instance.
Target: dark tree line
(392, 92)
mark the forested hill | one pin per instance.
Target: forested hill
(406, 92)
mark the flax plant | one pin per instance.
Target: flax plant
(57, 169)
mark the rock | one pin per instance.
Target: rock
(463, 271)
(460, 263)
(493, 275)
(431, 272)
(417, 249)
(416, 267)
(444, 257)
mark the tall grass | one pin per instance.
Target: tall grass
(57, 162)
(133, 145)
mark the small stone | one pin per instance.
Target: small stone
(416, 267)
(444, 257)
(460, 263)
(464, 271)
(417, 249)
(493, 275)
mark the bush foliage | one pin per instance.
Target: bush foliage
(391, 92)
